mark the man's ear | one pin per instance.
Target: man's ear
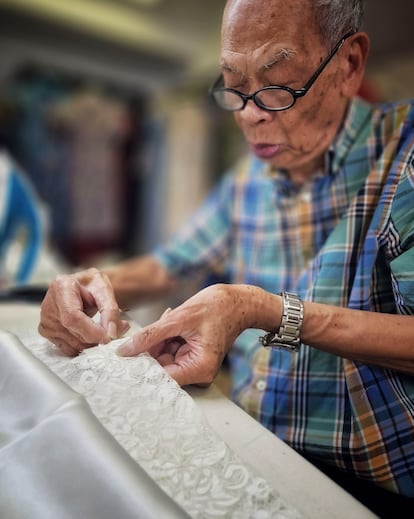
(355, 54)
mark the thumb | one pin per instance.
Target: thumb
(86, 296)
(179, 374)
(145, 339)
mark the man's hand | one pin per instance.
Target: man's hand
(68, 306)
(192, 340)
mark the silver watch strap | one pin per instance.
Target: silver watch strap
(288, 335)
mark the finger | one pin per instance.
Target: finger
(182, 350)
(166, 311)
(72, 351)
(165, 359)
(61, 337)
(183, 376)
(68, 299)
(147, 338)
(103, 294)
(193, 366)
(186, 377)
(64, 347)
(118, 330)
(67, 350)
(88, 299)
(173, 345)
(125, 326)
(68, 344)
(182, 365)
(83, 328)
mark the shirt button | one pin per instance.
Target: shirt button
(306, 197)
(261, 385)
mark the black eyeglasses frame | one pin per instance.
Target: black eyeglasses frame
(296, 94)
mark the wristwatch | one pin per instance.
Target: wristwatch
(288, 335)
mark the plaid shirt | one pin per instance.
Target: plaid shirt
(345, 238)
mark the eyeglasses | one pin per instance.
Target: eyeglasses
(274, 98)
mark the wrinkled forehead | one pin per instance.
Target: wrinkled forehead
(251, 24)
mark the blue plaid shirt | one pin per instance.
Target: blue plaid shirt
(344, 238)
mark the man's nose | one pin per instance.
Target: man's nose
(253, 114)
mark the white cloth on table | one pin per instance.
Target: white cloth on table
(161, 428)
(56, 458)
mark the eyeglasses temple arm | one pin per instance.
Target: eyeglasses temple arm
(302, 91)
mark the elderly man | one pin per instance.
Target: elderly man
(321, 211)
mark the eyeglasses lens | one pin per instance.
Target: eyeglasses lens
(274, 98)
(270, 98)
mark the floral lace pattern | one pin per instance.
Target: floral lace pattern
(161, 428)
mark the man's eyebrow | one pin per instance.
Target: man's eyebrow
(229, 68)
(278, 57)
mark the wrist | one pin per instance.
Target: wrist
(256, 308)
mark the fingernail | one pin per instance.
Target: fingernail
(125, 327)
(167, 311)
(126, 348)
(112, 330)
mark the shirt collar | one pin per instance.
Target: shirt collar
(355, 118)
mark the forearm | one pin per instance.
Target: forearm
(139, 280)
(385, 340)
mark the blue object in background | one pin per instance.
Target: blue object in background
(19, 216)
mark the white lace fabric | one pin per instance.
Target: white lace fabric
(163, 430)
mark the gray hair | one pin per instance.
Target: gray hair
(338, 17)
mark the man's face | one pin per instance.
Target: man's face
(273, 42)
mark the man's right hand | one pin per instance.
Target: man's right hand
(69, 305)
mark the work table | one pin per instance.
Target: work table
(298, 482)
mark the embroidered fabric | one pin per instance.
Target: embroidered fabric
(161, 428)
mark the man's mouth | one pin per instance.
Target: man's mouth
(265, 151)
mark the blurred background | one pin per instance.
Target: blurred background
(104, 109)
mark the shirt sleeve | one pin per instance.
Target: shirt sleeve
(402, 217)
(203, 242)
(402, 267)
